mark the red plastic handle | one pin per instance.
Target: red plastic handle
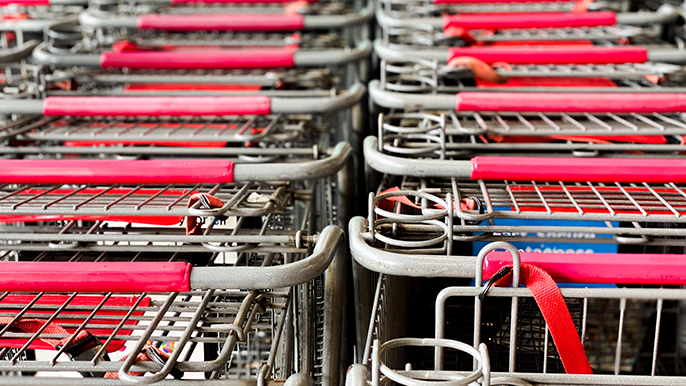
(207, 60)
(95, 277)
(237, 1)
(240, 22)
(24, 3)
(611, 268)
(553, 55)
(579, 169)
(156, 106)
(529, 20)
(115, 171)
(572, 102)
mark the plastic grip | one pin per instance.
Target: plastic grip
(497, 1)
(95, 277)
(583, 170)
(240, 22)
(237, 1)
(553, 55)
(530, 20)
(609, 268)
(162, 172)
(200, 60)
(24, 3)
(156, 106)
(572, 102)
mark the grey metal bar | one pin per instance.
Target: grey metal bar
(41, 55)
(311, 58)
(396, 100)
(288, 275)
(318, 105)
(295, 171)
(413, 167)
(397, 264)
(399, 54)
(18, 53)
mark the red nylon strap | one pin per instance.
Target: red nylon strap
(141, 357)
(192, 225)
(556, 315)
(33, 325)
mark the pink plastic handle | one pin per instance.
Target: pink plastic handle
(553, 55)
(610, 268)
(237, 1)
(572, 102)
(95, 277)
(530, 20)
(200, 60)
(240, 22)
(579, 169)
(156, 106)
(24, 3)
(499, 1)
(161, 172)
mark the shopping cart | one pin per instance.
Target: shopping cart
(465, 306)
(414, 8)
(268, 231)
(534, 28)
(222, 16)
(65, 46)
(552, 216)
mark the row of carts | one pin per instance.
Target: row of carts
(176, 177)
(516, 144)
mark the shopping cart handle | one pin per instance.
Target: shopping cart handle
(498, 1)
(582, 102)
(610, 170)
(95, 277)
(239, 22)
(166, 276)
(236, 1)
(161, 172)
(610, 268)
(530, 20)
(207, 60)
(553, 55)
(24, 3)
(156, 106)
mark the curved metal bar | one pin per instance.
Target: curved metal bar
(399, 264)
(332, 57)
(397, 100)
(413, 167)
(288, 275)
(319, 105)
(295, 171)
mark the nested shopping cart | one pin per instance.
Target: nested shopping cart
(605, 27)
(240, 296)
(227, 16)
(65, 46)
(417, 8)
(596, 221)
(583, 124)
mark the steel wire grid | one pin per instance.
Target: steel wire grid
(314, 81)
(426, 76)
(240, 325)
(631, 336)
(635, 215)
(280, 131)
(458, 135)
